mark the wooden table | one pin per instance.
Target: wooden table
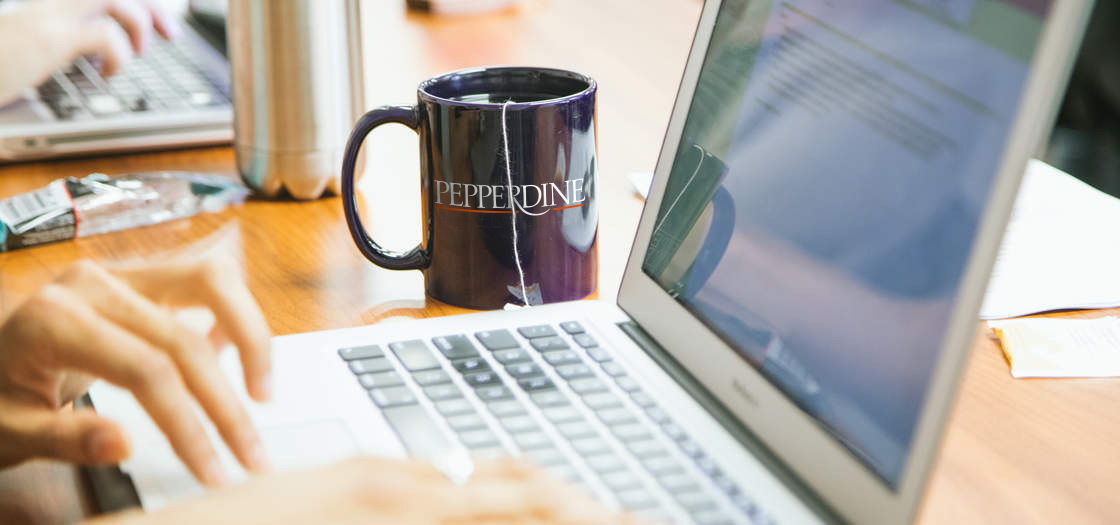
(1016, 451)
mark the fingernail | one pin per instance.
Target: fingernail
(258, 458)
(213, 474)
(99, 446)
(264, 387)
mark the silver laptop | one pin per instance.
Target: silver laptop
(176, 95)
(796, 310)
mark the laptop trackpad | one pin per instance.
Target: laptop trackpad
(163, 479)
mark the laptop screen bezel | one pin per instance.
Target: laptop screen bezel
(838, 478)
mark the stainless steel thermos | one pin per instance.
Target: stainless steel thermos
(297, 90)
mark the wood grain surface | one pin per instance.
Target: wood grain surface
(1035, 451)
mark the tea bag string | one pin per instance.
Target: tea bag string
(512, 203)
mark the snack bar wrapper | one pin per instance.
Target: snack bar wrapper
(79, 207)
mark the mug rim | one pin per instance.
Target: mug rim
(424, 94)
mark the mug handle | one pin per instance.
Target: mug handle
(414, 259)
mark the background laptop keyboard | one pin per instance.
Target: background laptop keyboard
(172, 76)
(553, 395)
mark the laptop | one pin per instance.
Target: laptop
(797, 307)
(176, 95)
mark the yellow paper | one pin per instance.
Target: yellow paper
(1061, 347)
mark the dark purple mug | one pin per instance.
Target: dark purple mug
(468, 121)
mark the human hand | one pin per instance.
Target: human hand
(378, 491)
(117, 325)
(52, 33)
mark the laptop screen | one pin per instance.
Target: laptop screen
(823, 201)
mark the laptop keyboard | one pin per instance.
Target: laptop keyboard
(559, 399)
(171, 76)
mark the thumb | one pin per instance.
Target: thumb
(77, 436)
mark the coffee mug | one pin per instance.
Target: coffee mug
(508, 186)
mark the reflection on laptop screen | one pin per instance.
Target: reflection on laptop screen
(826, 192)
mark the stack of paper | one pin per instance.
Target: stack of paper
(1061, 249)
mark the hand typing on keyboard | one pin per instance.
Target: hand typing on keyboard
(41, 37)
(384, 491)
(117, 325)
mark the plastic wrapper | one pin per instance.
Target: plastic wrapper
(79, 207)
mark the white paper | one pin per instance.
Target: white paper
(1061, 347)
(641, 182)
(1061, 249)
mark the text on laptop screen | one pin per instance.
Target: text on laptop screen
(830, 178)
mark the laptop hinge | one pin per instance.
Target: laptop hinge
(728, 421)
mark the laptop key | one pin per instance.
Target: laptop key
(621, 480)
(477, 439)
(470, 364)
(613, 369)
(561, 414)
(642, 399)
(548, 344)
(574, 371)
(548, 456)
(601, 400)
(576, 430)
(506, 408)
(360, 352)
(561, 357)
(599, 355)
(635, 499)
(371, 365)
(711, 517)
(548, 398)
(725, 484)
(521, 370)
(441, 392)
(590, 446)
(515, 355)
(690, 447)
(530, 384)
(646, 449)
(662, 466)
(631, 432)
(431, 377)
(493, 393)
(482, 379)
(531, 440)
(452, 407)
(585, 340)
(604, 463)
(616, 416)
(417, 431)
(533, 332)
(707, 465)
(675, 483)
(455, 346)
(497, 339)
(657, 515)
(674, 431)
(564, 472)
(694, 502)
(658, 415)
(627, 384)
(414, 355)
(392, 396)
(572, 327)
(587, 385)
(516, 424)
(463, 422)
(380, 379)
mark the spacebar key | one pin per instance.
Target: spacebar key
(418, 432)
